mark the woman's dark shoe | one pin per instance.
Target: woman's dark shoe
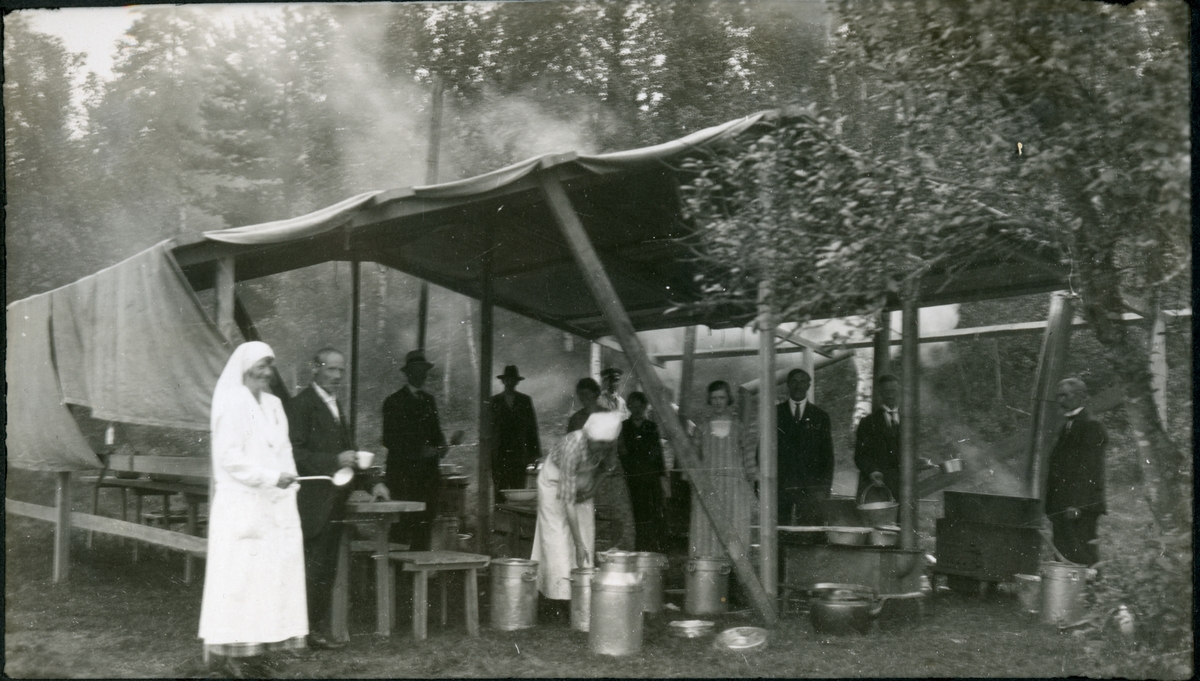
(319, 642)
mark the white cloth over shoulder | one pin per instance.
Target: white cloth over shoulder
(254, 582)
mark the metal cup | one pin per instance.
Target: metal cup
(364, 459)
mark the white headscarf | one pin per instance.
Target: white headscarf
(231, 389)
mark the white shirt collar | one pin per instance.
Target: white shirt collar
(1074, 412)
(329, 400)
(797, 408)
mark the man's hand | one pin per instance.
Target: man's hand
(285, 479)
(380, 492)
(346, 459)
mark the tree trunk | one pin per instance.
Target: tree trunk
(1160, 458)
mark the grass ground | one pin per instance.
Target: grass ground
(117, 619)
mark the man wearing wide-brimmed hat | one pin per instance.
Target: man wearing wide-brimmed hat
(515, 442)
(415, 443)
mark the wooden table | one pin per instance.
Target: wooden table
(194, 494)
(378, 516)
(424, 563)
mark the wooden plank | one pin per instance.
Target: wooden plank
(1046, 412)
(1158, 366)
(191, 466)
(606, 298)
(121, 528)
(768, 447)
(972, 333)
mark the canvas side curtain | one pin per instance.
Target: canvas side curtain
(132, 342)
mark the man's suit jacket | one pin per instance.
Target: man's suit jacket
(1075, 470)
(805, 449)
(877, 448)
(317, 438)
(514, 430)
(411, 428)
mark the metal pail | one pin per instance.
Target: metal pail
(581, 598)
(1029, 592)
(615, 623)
(651, 566)
(1062, 592)
(706, 586)
(514, 593)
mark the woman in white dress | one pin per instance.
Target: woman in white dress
(565, 537)
(254, 597)
(727, 457)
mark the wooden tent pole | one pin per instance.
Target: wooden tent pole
(882, 350)
(484, 509)
(1050, 371)
(62, 526)
(687, 373)
(355, 304)
(909, 416)
(768, 451)
(614, 313)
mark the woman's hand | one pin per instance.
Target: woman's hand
(285, 480)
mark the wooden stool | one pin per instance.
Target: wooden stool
(421, 563)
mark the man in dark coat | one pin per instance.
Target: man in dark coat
(321, 444)
(805, 462)
(1075, 477)
(415, 443)
(877, 440)
(641, 454)
(515, 442)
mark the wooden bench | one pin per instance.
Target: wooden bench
(421, 564)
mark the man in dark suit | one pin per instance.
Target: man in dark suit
(415, 443)
(515, 441)
(805, 462)
(321, 444)
(877, 440)
(1075, 477)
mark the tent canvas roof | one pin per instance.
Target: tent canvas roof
(628, 203)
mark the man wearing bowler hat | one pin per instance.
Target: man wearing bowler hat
(415, 445)
(514, 433)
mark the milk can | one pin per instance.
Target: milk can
(615, 625)
(1062, 592)
(706, 586)
(651, 566)
(514, 593)
(581, 598)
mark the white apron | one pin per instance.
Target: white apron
(254, 580)
(553, 547)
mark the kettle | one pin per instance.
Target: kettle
(844, 609)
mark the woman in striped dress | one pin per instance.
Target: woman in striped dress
(727, 458)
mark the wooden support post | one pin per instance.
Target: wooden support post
(422, 314)
(1046, 416)
(355, 314)
(62, 526)
(882, 350)
(808, 364)
(225, 304)
(910, 359)
(687, 373)
(610, 305)
(768, 450)
(484, 511)
(1158, 365)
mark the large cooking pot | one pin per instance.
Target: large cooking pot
(876, 513)
(951, 465)
(843, 609)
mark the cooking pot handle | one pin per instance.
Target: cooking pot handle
(691, 567)
(726, 569)
(530, 575)
(863, 495)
